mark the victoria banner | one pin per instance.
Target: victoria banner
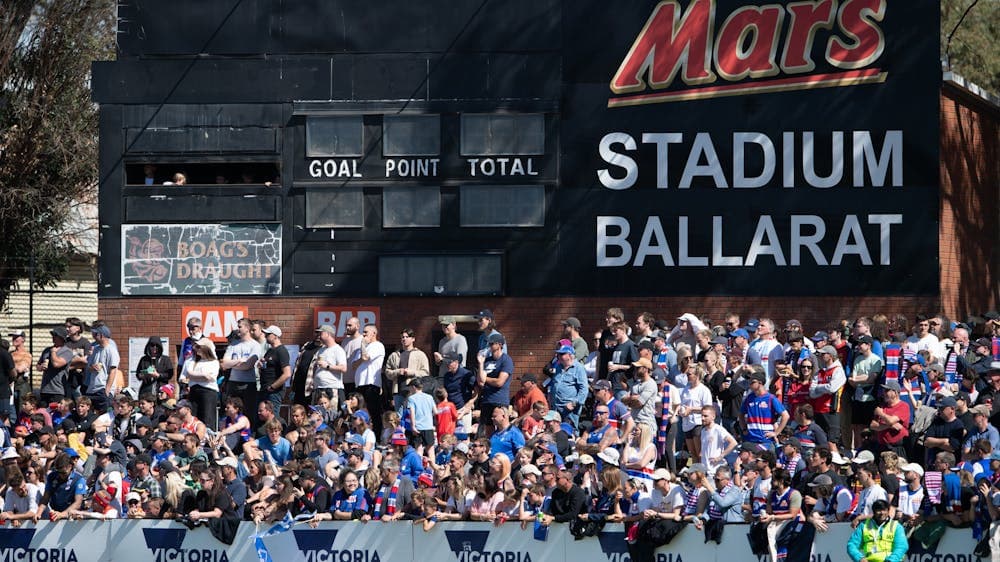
(726, 147)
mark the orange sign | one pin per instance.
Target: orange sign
(337, 316)
(217, 322)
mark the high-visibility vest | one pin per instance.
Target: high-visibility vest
(877, 540)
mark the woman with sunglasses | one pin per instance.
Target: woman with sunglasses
(213, 500)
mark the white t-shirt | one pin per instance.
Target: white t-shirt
(350, 346)
(910, 500)
(241, 351)
(16, 504)
(868, 496)
(694, 399)
(713, 444)
(370, 371)
(670, 501)
(325, 378)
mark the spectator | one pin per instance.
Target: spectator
(891, 422)
(762, 416)
(495, 371)
(366, 362)
(274, 368)
(879, 538)
(241, 359)
(408, 363)
(825, 391)
(155, 368)
(568, 386)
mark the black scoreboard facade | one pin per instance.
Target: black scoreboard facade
(520, 148)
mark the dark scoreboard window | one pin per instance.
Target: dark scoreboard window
(411, 206)
(455, 275)
(341, 135)
(411, 135)
(340, 207)
(502, 205)
(488, 134)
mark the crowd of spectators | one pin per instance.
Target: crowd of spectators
(655, 424)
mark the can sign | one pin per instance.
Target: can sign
(217, 322)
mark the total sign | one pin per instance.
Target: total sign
(337, 316)
(217, 322)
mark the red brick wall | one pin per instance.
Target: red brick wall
(970, 280)
(970, 204)
(531, 326)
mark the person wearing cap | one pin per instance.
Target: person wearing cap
(568, 386)
(981, 429)
(241, 359)
(891, 421)
(103, 379)
(762, 415)
(879, 539)
(275, 367)
(911, 495)
(527, 396)
(487, 327)
(452, 343)
(825, 392)
(326, 374)
(861, 387)
(946, 432)
(495, 371)
(406, 363)
(460, 384)
(571, 331)
(832, 502)
(53, 363)
(194, 333)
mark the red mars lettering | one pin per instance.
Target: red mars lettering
(686, 43)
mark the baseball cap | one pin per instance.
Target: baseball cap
(357, 439)
(836, 458)
(185, 404)
(985, 342)
(828, 350)
(272, 329)
(994, 366)
(161, 436)
(565, 349)
(820, 336)
(585, 459)
(227, 461)
(59, 332)
(363, 415)
(496, 338)
(948, 402)
(532, 469)
(936, 367)
(892, 385)
(719, 340)
(643, 362)
(696, 467)
(572, 321)
(646, 344)
(752, 325)
(912, 467)
(327, 328)
(484, 313)
(661, 474)
(452, 356)
(757, 376)
(821, 480)
(133, 497)
(964, 396)
(863, 457)
(552, 415)
(602, 385)
(739, 333)
(866, 339)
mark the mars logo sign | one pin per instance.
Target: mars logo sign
(691, 44)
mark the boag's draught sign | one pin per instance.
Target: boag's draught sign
(201, 259)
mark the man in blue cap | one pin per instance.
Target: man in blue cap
(568, 386)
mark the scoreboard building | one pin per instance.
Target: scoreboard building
(301, 162)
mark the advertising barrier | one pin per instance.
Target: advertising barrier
(166, 541)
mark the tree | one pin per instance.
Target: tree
(48, 129)
(973, 52)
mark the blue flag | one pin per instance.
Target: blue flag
(262, 554)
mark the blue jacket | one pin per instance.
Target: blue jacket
(899, 542)
(568, 385)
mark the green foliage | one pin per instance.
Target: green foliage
(974, 51)
(48, 129)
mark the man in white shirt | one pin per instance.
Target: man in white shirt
(367, 363)
(923, 339)
(241, 358)
(21, 501)
(351, 343)
(765, 350)
(329, 368)
(716, 442)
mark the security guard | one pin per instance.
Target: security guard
(878, 539)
